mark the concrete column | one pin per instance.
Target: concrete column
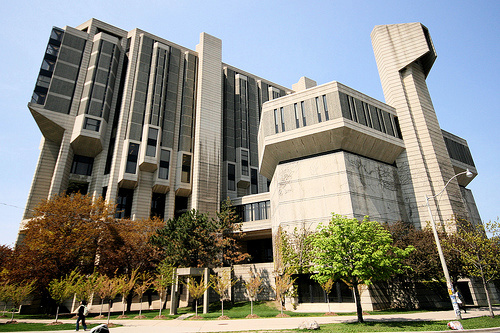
(208, 126)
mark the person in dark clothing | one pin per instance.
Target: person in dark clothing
(82, 312)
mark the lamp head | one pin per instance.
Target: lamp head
(468, 173)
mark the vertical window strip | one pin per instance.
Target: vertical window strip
(381, 120)
(282, 114)
(276, 129)
(317, 109)
(297, 124)
(352, 108)
(325, 107)
(303, 111)
(369, 122)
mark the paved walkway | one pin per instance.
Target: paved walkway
(265, 324)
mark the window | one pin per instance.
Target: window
(303, 110)
(151, 143)
(366, 111)
(297, 125)
(282, 114)
(325, 106)
(133, 151)
(254, 211)
(244, 162)
(82, 165)
(57, 34)
(381, 120)
(124, 203)
(38, 97)
(186, 168)
(158, 205)
(48, 65)
(231, 177)
(91, 124)
(163, 170)
(43, 81)
(276, 129)
(52, 50)
(317, 109)
(254, 181)
(352, 108)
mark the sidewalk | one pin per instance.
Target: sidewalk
(265, 324)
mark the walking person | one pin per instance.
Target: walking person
(83, 311)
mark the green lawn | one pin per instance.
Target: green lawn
(31, 327)
(403, 326)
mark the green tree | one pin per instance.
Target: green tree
(480, 254)
(188, 241)
(221, 283)
(327, 288)
(109, 288)
(86, 286)
(253, 287)
(165, 277)
(355, 252)
(6, 292)
(228, 235)
(20, 294)
(61, 289)
(127, 283)
(283, 284)
(144, 281)
(196, 290)
(293, 250)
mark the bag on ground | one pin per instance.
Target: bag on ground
(100, 329)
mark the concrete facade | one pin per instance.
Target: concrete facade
(158, 129)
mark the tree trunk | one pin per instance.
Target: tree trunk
(357, 298)
(485, 285)
(57, 313)
(251, 306)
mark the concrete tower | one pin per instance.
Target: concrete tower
(405, 55)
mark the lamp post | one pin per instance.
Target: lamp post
(451, 290)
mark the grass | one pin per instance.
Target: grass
(37, 327)
(405, 326)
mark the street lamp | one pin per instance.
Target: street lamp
(451, 290)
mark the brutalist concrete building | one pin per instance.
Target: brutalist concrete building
(159, 129)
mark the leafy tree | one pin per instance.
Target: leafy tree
(327, 288)
(63, 235)
(85, 286)
(188, 241)
(196, 290)
(61, 289)
(5, 255)
(355, 252)
(480, 254)
(253, 287)
(283, 284)
(423, 264)
(221, 283)
(293, 251)
(194, 240)
(100, 291)
(127, 247)
(228, 235)
(20, 294)
(6, 292)
(127, 283)
(165, 277)
(109, 288)
(144, 281)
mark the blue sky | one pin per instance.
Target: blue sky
(280, 41)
